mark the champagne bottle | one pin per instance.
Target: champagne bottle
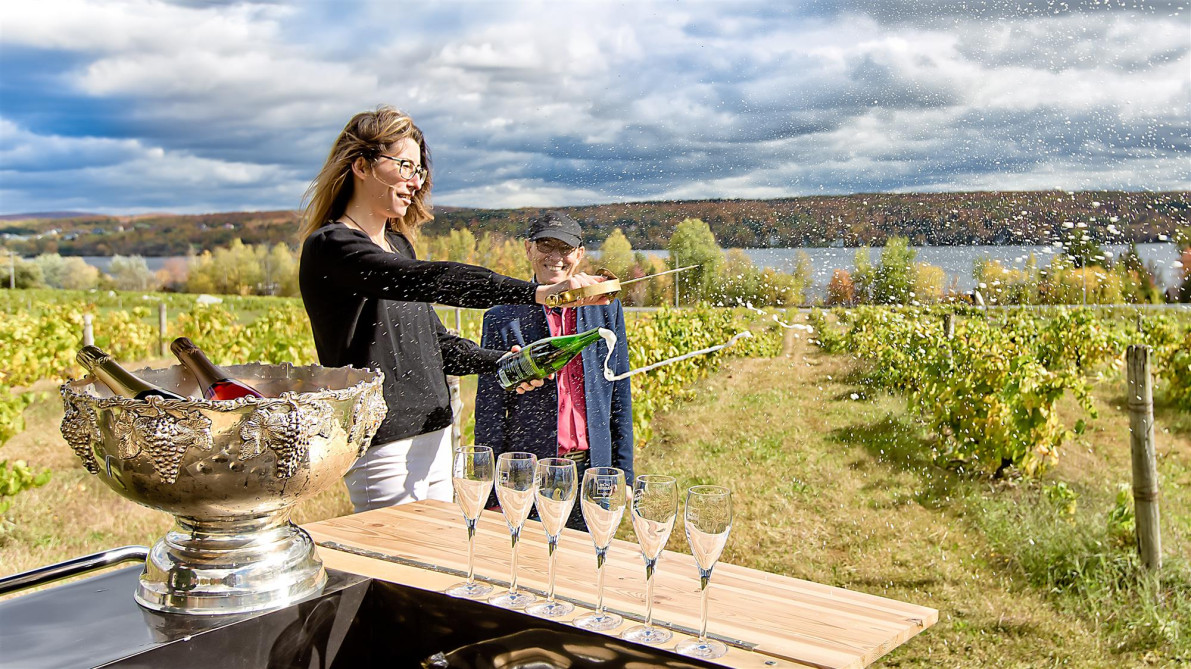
(119, 380)
(214, 382)
(542, 358)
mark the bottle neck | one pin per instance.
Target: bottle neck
(205, 371)
(578, 341)
(120, 380)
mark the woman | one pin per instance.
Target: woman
(367, 296)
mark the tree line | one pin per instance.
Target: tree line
(926, 219)
(1083, 273)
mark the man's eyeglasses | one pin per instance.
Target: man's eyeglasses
(406, 169)
(548, 246)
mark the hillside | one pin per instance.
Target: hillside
(937, 219)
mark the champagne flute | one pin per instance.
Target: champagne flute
(516, 481)
(654, 508)
(603, 500)
(708, 520)
(557, 486)
(471, 474)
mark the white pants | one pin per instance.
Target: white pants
(402, 471)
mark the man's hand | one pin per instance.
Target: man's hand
(528, 385)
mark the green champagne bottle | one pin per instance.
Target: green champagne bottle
(542, 358)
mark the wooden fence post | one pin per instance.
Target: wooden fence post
(456, 413)
(88, 331)
(161, 330)
(949, 326)
(1145, 468)
(455, 391)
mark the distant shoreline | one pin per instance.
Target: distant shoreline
(955, 260)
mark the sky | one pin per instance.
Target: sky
(136, 106)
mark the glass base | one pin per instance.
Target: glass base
(598, 622)
(473, 590)
(550, 609)
(708, 649)
(512, 600)
(652, 635)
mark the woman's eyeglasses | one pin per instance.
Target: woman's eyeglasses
(406, 169)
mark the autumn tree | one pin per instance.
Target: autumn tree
(71, 273)
(244, 269)
(616, 254)
(891, 281)
(131, 273)
(841, 292)
(21, 273)
(502, 255)
(693, 244)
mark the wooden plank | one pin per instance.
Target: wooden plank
(429, 580)
(771, 616)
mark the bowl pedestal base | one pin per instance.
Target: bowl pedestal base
(237, 565)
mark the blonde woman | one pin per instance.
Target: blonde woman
(369, 302)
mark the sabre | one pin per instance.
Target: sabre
(669, 271)
(609, 286)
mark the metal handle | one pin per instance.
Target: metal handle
(610, 286)
(79, 565)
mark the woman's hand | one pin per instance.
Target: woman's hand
(576, 281)
(528, 385)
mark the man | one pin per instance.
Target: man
(579, 414)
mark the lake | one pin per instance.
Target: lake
(154, 263)
(956, 261)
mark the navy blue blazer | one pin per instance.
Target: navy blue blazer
(507, 421)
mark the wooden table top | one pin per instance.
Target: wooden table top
(767, 620)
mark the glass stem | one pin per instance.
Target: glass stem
(551, 544)
(516, 534)
(471, 551)
(704, 581)
(650, 564)
(600, 555)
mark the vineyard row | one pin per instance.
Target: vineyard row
(39, 342)
(989, 388)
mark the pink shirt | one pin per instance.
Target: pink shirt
(572, 401)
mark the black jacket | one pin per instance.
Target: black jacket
(370, 308)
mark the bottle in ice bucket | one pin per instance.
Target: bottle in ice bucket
(120, 380)
(542, 358)
(214, 382)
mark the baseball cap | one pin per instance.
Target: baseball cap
(555, 225)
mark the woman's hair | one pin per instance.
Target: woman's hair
(367, 135)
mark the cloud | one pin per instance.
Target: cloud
(141, 26)
(54, 172)
(538, 104)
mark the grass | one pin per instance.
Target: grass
(832, 485)
(838, 490)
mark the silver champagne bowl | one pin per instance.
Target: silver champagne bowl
(230, 472)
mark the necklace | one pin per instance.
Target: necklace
(386, 245)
